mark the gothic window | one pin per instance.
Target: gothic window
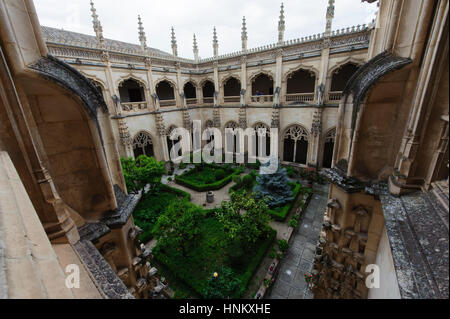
(165, 91)
(190, 91)
(260, 130)
(301, 81)
(232, 87)
(131, 91)
(208, 89)
(262, 84)
(329, 149)
(143, 145)
(341, 77)
(231, 142)
(296, 145)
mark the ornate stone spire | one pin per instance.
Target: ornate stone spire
(244, 35)
(174, 43)
(330, 16)
(142, 37)
(195, 49)
(97, 26)
(215, 43)
(281, 25)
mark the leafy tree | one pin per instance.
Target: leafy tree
(222, 285)
(179, 226)
(141, 172)
(244, 218)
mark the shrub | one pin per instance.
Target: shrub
(290, 171)
(182, 165)
(237, 179)
(283, 245)
(293, 223)
(247, 181)
(222, 285)
(170, 179)
(220, 174)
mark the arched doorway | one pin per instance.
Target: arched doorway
(190, 93)
(166, 93)
(301, 86)
(296, 144)
(232, 90)
(143, 145)
(208, 90)
(263, 130)
(328, 149)
(262, 88)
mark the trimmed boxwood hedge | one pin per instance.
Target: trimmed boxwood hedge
(201, 187)
(280, 213)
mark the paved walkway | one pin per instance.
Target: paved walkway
(290, 282)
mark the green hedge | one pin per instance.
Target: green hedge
(257, 259)
(201, 187)
(280, 213)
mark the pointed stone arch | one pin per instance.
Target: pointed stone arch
(328, 147)
(143, 144)
(296, 144)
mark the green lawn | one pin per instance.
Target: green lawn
(208, 255)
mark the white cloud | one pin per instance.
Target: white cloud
(119, 20)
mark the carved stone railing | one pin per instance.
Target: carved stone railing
(335, 96)
(134, 106)
(300, 97)
(208, 100)
(191, 101)
(262, 98)
(232, 99)
(163, 103)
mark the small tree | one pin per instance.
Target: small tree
(223, 284)
(244, 218)
(179, 226)
(141, 172)
(275, 187)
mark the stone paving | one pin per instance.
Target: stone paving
(290, 282)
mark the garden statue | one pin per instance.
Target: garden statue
(274, 186)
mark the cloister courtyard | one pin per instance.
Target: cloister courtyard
(212, 234)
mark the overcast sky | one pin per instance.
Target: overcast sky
(119, 20)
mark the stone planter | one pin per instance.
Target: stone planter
(210, 197)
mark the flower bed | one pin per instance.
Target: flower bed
(207, 177)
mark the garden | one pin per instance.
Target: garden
(210, 253)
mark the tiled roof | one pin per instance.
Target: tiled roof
(53, 35)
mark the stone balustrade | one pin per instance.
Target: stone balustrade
(165, 103)
(262, 98)
(300, 97)
(335, 96)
